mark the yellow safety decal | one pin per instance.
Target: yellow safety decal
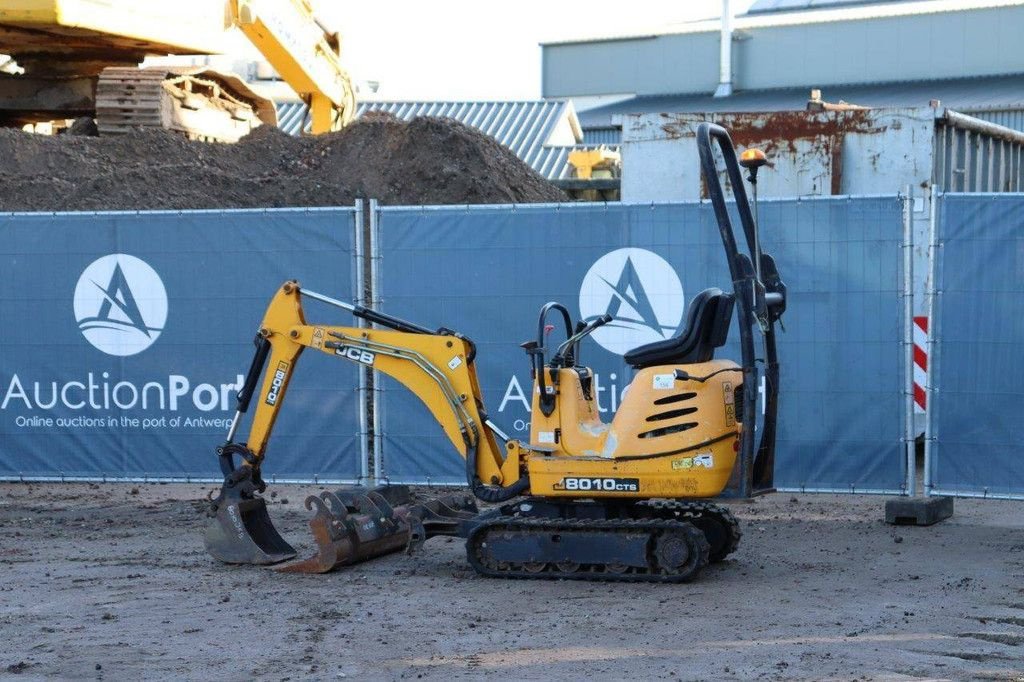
(730, 403)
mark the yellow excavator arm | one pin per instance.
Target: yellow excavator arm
(437, 366)
(304, 52)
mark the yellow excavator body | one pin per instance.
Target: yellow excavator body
(667, 439)
(123, 29)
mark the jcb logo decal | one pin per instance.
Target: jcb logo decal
(277, 382)
(357, 354)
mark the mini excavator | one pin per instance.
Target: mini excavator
(628, 500)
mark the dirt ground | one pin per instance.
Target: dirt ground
(111, 582)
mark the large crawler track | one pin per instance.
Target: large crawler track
(200, 104)
(651, 541)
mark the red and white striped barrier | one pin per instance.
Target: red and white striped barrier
(920, 364)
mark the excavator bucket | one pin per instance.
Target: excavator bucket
(241, 532)
(350, 526)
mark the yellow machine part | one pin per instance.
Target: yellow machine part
(668, 438)
(433, 367)
(308, 59)
(586, 161)
(120, 29)
(84, 39)
(199, 103)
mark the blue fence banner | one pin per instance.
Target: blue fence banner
(977, 347)
(126, 336)
(486, 272)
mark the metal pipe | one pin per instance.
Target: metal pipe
(725, 53)
(757, 226)
(364, 399)
(494, 427)
(849, 490)
(930, 294)
(377, 445)
(328, 300)
(976, 125)
(235, 421)
(908, 340)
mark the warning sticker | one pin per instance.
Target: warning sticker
(663, 382)
(730, 403)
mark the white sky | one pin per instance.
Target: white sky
(476, 49)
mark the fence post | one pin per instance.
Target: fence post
(373, 233)
(910, 484)
(931, 291)
(359, 275)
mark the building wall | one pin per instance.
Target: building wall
(915, 47)
(928, 46)
(653, 65)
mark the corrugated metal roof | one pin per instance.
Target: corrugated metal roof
(525, 127)
(596, 136)
(969, 95)
(797, 17)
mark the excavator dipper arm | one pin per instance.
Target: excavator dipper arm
(437, 366)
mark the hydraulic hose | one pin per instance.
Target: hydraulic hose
(491, 493)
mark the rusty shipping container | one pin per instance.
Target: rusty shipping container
(862, 151)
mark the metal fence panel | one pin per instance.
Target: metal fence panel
(978, 343)
(126, 335)
(486, 272)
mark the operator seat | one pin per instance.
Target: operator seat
(707, 328)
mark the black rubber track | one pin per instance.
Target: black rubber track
(655, 529)
(720, 527)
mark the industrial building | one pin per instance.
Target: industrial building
(966, 53)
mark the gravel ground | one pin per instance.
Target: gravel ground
(111, 582)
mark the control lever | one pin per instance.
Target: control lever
(559, 356)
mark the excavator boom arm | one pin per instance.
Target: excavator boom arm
(437, 367)
(304, 52)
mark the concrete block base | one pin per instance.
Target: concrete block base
(917, 511)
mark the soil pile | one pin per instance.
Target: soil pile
(425, 161)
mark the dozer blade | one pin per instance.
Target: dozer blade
(351, 526)
(241, 532)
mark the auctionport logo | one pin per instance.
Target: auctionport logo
(641, 292)
(120, 304)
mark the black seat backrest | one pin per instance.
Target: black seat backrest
(707, 328)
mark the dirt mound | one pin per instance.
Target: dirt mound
(425, 161)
